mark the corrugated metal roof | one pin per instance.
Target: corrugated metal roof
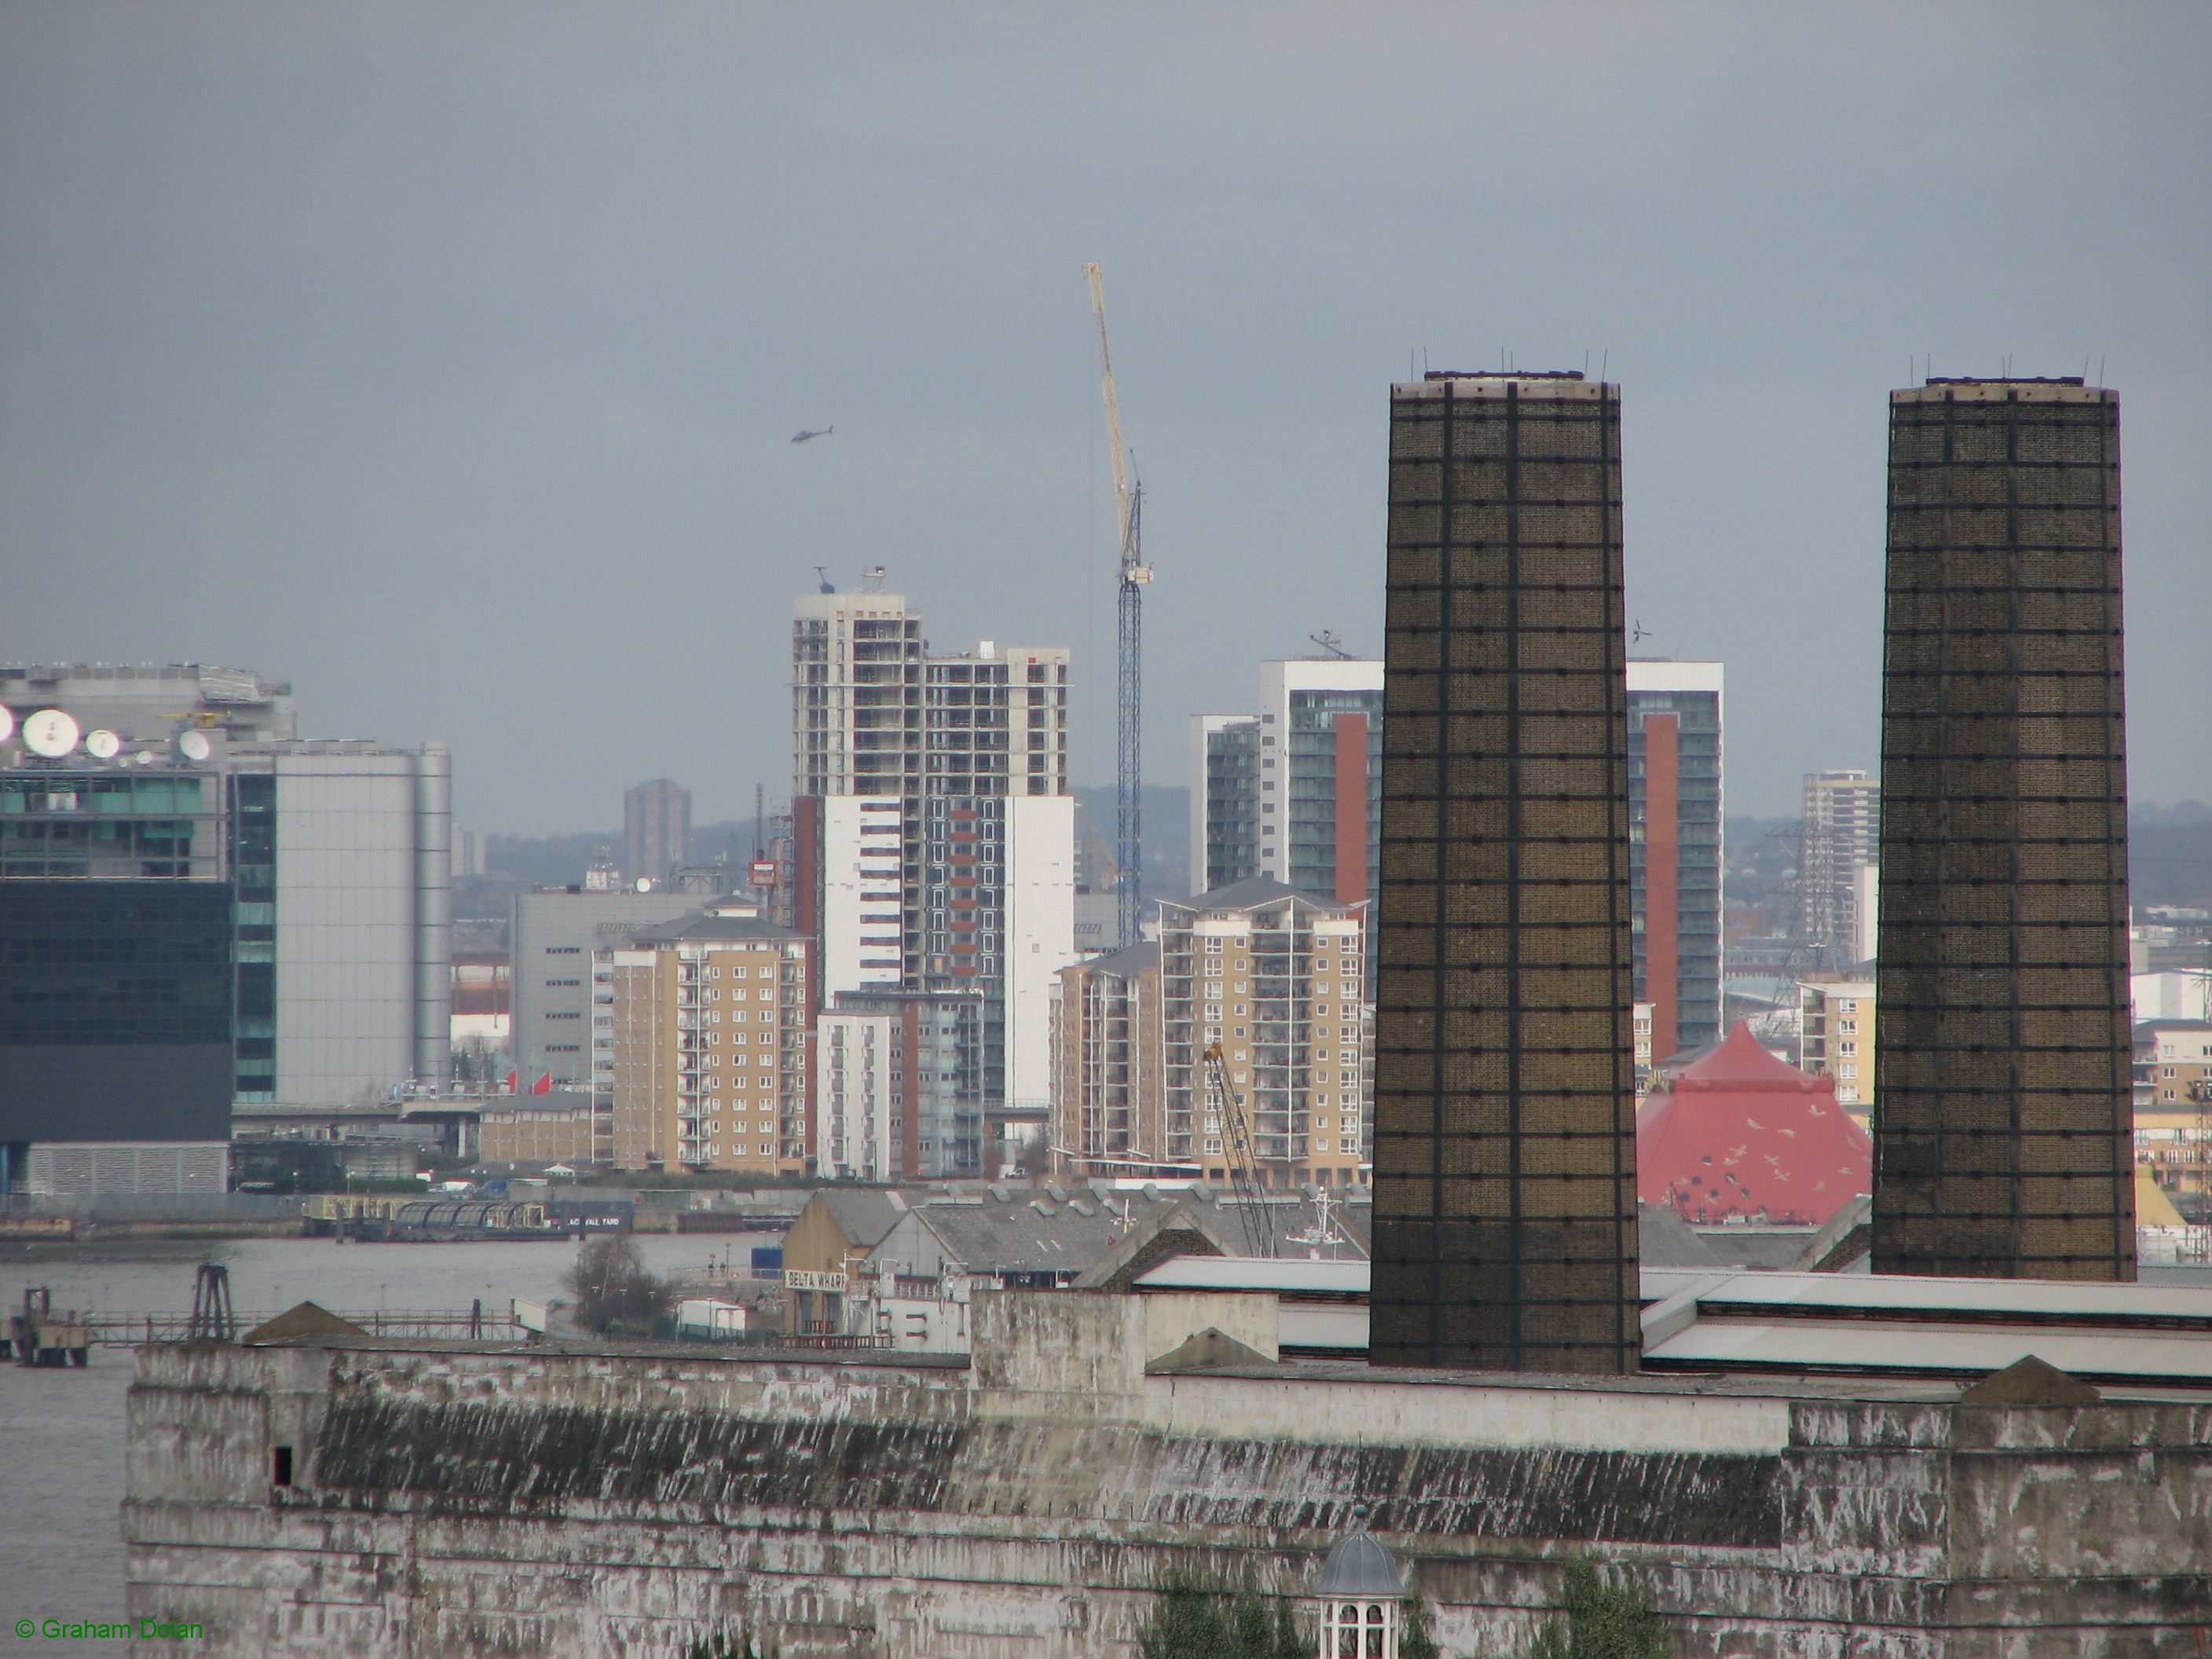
(1924, 1349)
(1230, 1273)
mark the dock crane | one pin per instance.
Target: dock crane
(1224, 1102)
(1129, 718)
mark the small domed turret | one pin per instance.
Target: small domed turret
(1359, 1590)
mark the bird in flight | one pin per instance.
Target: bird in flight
(1640, 635)
(802, 437)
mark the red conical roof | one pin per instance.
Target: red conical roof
(1740, 1132)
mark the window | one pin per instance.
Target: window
(282, 1472)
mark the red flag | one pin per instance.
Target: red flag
(544, 1085)
(514, 1082)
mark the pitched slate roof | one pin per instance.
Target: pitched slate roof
(863, 1214)
(1024, 1229)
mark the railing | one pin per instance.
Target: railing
(133, 1330)
(837, 1340)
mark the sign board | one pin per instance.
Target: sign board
(798, 1278)
(763, 873)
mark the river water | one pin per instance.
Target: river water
(62, 1431)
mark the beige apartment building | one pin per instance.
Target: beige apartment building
(2174, 1103)
(1108, 1099)
(710, 1017)
(1277, 977)
(1836, 1021)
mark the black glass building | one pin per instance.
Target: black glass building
(115, 1000)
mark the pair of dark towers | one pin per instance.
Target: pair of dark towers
(1504, 1220)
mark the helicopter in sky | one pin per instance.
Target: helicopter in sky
(802, 436)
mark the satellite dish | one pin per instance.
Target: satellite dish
(145, 757)
(6, 723)
(102, 744)
(51, 732)
(193, 746)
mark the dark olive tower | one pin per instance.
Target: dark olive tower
(2002, 1114)
(1505, 1126)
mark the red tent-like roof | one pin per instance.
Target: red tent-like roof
(1741, 1132)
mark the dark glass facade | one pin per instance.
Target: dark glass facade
(1696, 846)
(115, 1003)
(109, 825)
(1504, 1219)
(1309, 776)
(1232, 807)
(253, 872)
(2003, 1135)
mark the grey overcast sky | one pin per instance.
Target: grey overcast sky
(444, 359)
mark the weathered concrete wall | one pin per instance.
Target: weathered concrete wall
(531, 1501)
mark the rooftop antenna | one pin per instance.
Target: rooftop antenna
(828, 587)
(1604, 358)
(1330, 643)
(2100, 371)
(873, 577)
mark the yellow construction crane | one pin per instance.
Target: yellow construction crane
(1225, 1102)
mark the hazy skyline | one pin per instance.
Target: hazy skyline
(445, 361)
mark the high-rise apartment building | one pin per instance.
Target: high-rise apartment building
(859, 1103)
(1839, 847)
(1504, 1136)
(1294, 793)
(656, 830)
(935, 832)
(1675, 817)
(934, 1088)
(2003, 1062)
(1107, 1094)
(710, 1031)
(1277, 978)
(1224, 799)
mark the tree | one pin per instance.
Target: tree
(722, 1645)
(1603, 1621)
(1414, 1641)
(1198, 1620)
(615, 1294)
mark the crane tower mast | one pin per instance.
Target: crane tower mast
(1129, 715)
